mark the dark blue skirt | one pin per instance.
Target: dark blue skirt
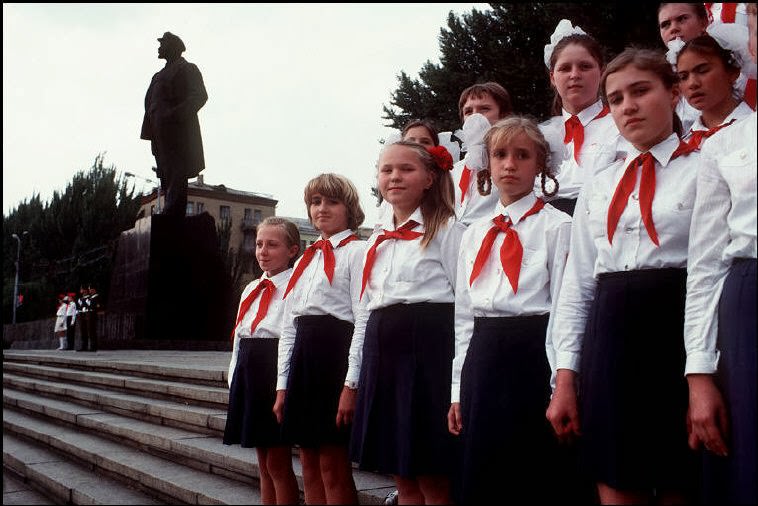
(633, 396)
(733, 479)
(505, 391)
(317, 375)
(400, 425)
(250, 421)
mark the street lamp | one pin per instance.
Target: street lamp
(18, 263)
(158, 203)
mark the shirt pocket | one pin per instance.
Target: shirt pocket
(738, 169)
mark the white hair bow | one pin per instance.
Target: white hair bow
(675, 46)
(563, 30)
(734, 38)
(474, 129)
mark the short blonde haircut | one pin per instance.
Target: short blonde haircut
(289, 230)
(505, 130)
(335, 186)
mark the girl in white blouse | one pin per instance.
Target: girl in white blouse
(509, 272)
(403, 366)
(618, 323)
(581, 134)
(252, 369)
(325, 314)
(720, 329)
(707, 73)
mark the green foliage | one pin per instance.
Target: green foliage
(506, 45)
(71, 239)
(236, 261)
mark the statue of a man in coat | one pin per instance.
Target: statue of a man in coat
(175, 95)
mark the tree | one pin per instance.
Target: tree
(236, 261)
(506, 45)
(71, 239)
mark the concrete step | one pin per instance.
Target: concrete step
(17, 492)
(167, 480)
(64, 481)
(158, 411)
(201, 395)
(203, 368)
(199, 451)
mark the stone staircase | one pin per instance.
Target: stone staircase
(131, 427)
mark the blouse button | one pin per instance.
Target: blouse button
(634, 196)
(679, 206)
(629, 230)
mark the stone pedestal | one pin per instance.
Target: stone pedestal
(169, 284)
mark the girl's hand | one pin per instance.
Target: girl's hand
(562, 413)
(707, 419)
(346, 407)
(454, 420)
(279, 405)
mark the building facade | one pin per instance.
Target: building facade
(240, 210)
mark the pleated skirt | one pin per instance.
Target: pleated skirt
(732, 480)
(508, 446)
(250, 421)
(400, 424)
(316, 378)
(633, 395)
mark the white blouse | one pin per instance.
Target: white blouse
(591, 253)
(741, 111)
(406, 273)
(271, 324)
(598, 149)
(723, 228)
(313, 295)
(545, 240)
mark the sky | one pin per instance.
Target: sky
(294, 90)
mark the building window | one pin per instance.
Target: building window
(249, 241)
(225, 213)
(257, 216)
(199, 207)
(248, 214)
(190, 208)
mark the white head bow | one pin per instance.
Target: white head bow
(474, 129)
(675, 46)
(563, 30)
(734, 38)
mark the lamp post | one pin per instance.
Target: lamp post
(18, 264)
(158, 200)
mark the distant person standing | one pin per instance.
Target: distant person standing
(70, 321)
(60, 322)
(93, 306)
(175, 95)
(82, 309)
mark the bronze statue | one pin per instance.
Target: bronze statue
(175, 95)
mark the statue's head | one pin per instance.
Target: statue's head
(171, 45)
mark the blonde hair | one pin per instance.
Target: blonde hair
(437, 203)
(289, 230)
(503, 132)
(338, 187)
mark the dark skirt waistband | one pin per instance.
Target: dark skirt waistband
(645, 275)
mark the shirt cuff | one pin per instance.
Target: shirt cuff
(455, 393)
(701, 362)
(567, 360)
(353, 374)
(281, 383)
